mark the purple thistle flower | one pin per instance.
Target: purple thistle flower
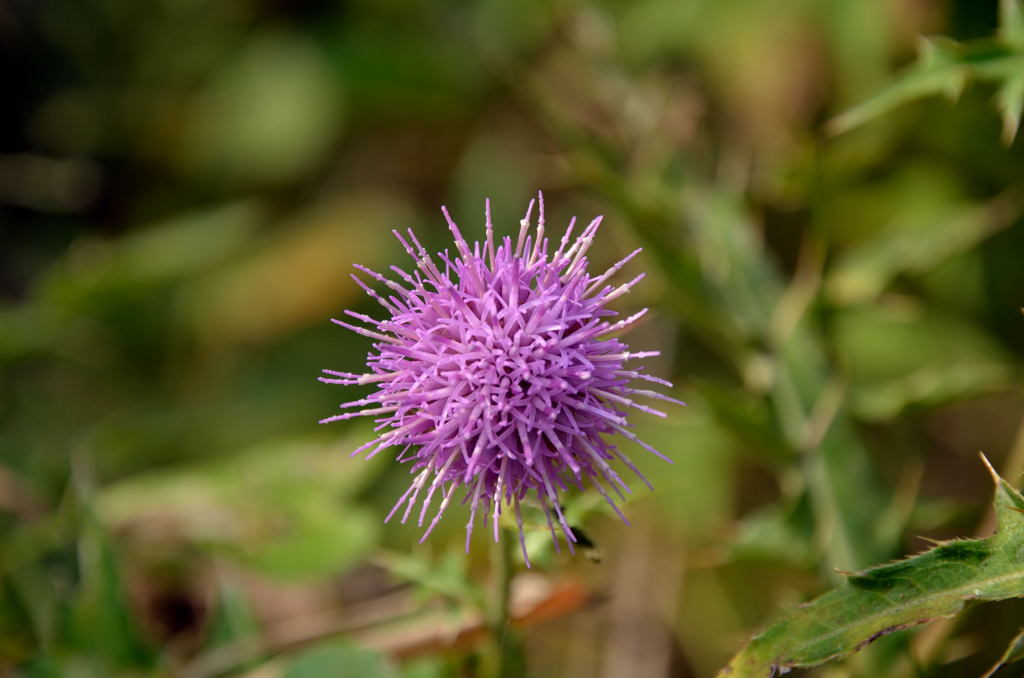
(496, 371)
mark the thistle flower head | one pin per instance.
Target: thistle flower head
(498, 371)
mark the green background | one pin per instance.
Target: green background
(185, 185)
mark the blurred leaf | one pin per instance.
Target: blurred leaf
(158, 252)
(1014, 653)
(777, 532)
(929, 386)
(926, 237)
(446, 575)
(957, 285)
(338, 659)
(733, 260)
(269, 116)
(94, 306)
(509, 30)
(1010, 102)
(1011, 23)
(945, 66)
(749, 290)
(747, 417)
(315, 539)
(653, 27)
(101, 623)
(880, 600)
(938, 70)
(191, 242)
(297, 276)
(418, 67)
(64, 604)
(893, 340)
(896, 357)
(232, 618)
(280, 509)
(858, 43)
(693, 495)
(424, 668)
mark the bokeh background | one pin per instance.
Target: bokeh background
(185, 185)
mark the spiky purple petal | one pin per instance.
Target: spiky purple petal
(497, 373)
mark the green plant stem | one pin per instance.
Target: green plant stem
(501, 586)
(504, 659)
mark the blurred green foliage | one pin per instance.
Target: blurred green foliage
(834, 256)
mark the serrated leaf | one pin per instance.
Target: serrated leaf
(938, 70)
(880, 600)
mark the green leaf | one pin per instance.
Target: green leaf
(777, 532)
(446, 575)
(750, 293)
(945, 67)
(232, 619)
(880, 600)
(284, 509)
(427, 667)
(1010, 101)
(339, 660)
(900, 356)
(309, 540)
(938, 70)
(100, 619)
(919, 238)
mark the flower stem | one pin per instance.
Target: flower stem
(501, 585)
(504, 660)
